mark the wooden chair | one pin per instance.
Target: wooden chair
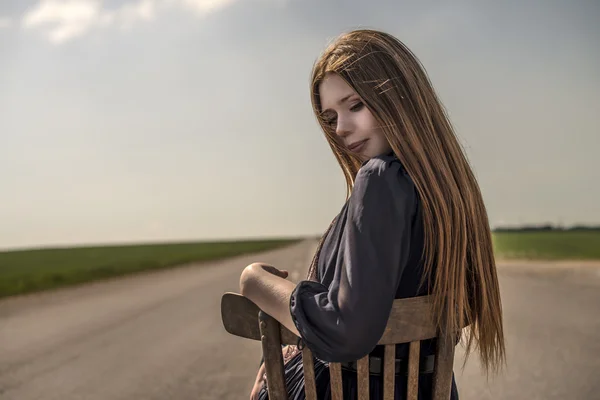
(409, 322)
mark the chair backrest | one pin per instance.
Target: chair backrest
(410, 321)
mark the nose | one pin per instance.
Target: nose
(343, 127)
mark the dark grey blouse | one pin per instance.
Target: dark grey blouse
(371, 256)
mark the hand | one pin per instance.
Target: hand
(257, 268)
(282, 273)
(289, 352)
(261, 379)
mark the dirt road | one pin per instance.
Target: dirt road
(159, 336)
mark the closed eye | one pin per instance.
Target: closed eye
(357, 107)
(330, 121)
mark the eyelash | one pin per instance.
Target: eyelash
(355, 108)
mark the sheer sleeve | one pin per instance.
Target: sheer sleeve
(344, 322)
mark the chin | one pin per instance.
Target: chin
(365, 157)
(368, 155)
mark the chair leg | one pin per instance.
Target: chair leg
(271, 345)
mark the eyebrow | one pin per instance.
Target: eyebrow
(343, 99)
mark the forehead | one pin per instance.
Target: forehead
(333, 89)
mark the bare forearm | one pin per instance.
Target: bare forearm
(270, 293)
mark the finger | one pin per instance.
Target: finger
(255, 391)
(282, 273)
(275, 271)
(270, 269)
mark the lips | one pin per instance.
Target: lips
(357, 145)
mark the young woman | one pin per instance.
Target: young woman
(414, 223)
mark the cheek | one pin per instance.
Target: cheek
(366, 121)
(376, 133)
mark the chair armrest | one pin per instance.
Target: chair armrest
(240, 317)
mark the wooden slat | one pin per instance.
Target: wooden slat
(444, 362)
(310, 387)
(363, 378)
(389, 370)
(409, 320)
(337, 391)
(414, 354)
(271, 346)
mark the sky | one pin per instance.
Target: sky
(179, 120)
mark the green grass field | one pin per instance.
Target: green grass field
(552, 245)
(34, 270)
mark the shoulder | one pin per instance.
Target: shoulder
(383, 170)
(384, 178)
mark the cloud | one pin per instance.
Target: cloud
(5, 22)
(205, 6)
(130, 13)
(63, 20)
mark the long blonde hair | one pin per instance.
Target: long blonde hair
(458, 243)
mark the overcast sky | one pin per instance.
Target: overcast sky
(166, 120)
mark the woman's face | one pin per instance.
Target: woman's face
(344, 112)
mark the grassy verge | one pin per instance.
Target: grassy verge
(34, 270)
(551, 245)
(27, 271)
